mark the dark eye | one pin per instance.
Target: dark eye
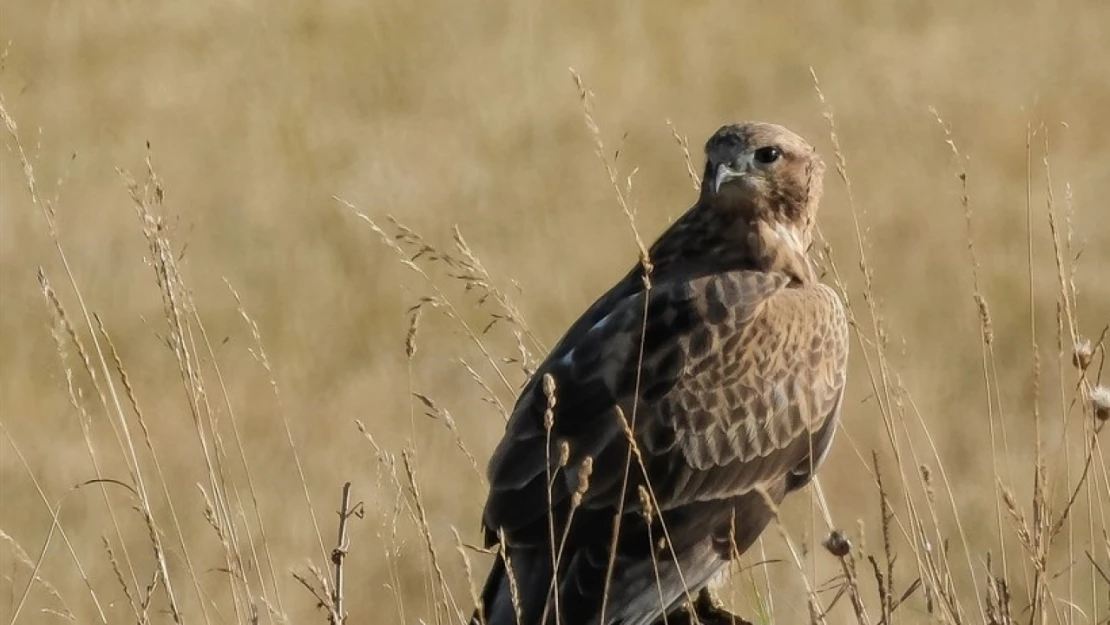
(767, 155)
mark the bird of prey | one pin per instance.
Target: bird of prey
(654, 443)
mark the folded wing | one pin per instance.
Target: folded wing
(727, 382)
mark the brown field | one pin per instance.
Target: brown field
(222, 433)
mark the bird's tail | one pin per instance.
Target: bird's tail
(516, 590)
(519, 591)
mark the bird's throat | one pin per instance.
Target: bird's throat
(783, 247)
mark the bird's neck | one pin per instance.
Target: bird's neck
(783, 247)
(709, 239)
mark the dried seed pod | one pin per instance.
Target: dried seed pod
(837, 544)
(1100, 402)
(1082, 354)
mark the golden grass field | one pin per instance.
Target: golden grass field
(223, 450)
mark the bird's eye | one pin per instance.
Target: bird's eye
(767, 155)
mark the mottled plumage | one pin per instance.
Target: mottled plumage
(728, 370)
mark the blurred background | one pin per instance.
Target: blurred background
(443, 114)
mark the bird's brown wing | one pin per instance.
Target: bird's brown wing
(758, 405)
(722, 378)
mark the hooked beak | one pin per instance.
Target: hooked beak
(730, 171)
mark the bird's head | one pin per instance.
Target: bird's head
(766, 173)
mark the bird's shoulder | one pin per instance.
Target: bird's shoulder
(638, 338)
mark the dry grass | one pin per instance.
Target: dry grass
(198, 355)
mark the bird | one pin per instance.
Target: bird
(654, 443)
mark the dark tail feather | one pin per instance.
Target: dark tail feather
(531, 576)
(489, 592)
